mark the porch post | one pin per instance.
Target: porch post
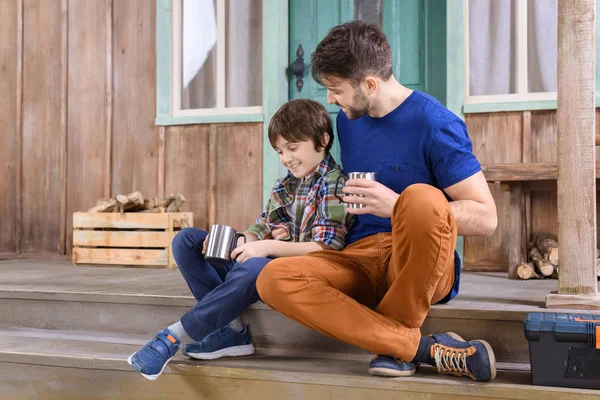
(577, 281)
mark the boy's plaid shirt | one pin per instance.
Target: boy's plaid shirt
(320, 217)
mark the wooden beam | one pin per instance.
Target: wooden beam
(109, 99)
(62, 157)
(577, 156)
(19, 122)
(518, 172)
(515, 256)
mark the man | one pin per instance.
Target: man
(400, 254)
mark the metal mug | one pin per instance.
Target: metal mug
(222, 239)
(355, 175)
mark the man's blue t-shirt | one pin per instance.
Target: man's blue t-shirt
(420, 141)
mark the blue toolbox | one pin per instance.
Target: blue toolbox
(564, 349)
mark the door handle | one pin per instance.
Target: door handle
(297, 68)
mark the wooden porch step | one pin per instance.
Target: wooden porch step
(52, 365)
(136, 304)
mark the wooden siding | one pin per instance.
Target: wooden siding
(9, 139)
(78, 81)
(513, 137)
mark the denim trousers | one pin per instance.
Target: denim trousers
(223, 292)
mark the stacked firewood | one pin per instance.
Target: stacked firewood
(543, 258)
(135, 202)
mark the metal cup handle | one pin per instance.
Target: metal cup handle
(335, 193)
(238, 235)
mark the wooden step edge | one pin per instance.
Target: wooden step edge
(508, 385)
(446, 311)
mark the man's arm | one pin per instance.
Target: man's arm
(473, 206)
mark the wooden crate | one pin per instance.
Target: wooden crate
(137, 239)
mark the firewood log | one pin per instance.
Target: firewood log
(165, 201)
(176, 204)
(527, 271)
(118, 208)
(132, 200)
(548, 247)
(103, 206)
(544, 267)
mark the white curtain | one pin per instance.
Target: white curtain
(493, 46)
(243, 58)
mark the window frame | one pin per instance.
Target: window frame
(275, 80)
(168, 99)
(457, 61)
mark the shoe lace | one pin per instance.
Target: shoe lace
(450, 360)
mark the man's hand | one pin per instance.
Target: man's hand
(252, 249)
(378, 199)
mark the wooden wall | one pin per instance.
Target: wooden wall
(513, 137)
(78, 84)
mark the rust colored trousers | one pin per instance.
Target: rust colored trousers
(376, 292)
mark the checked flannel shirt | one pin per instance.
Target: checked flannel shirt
(320, 217)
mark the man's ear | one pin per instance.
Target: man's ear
(371, 84)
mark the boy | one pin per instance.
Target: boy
(302, 216)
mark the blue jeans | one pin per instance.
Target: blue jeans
(222, 292)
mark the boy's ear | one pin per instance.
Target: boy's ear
(327, 139)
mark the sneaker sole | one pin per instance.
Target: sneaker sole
(389, 372)
(235, 351)
(487, 346)
(149, 377)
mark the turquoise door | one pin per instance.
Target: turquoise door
(416, 30)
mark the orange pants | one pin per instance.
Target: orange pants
(400, 273)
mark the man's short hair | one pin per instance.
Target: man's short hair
(353, 51)
(299, 120)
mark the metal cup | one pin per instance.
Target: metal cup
(355, 175)
(221, 241)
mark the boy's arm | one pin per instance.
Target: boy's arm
(329, 228)
(260, 228)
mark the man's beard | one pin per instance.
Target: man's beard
(360, 105)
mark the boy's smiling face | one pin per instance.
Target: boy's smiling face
(300, 158)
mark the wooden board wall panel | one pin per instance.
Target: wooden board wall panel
(543, 136)
(238, 164)
(187, 168)
(86, 161)
(8, 126)
(135, 140)
(491, 254)
(497, 139)
(42, 91)
(544, 149)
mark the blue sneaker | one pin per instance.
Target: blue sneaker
(455, 356)
(224, 342)
(390, 366)
(150, 361)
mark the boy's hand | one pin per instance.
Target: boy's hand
(205, 245)
(250, 237)
(249, 250)
(279, 233)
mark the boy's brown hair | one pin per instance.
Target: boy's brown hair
(352, 51)
(299, 120)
